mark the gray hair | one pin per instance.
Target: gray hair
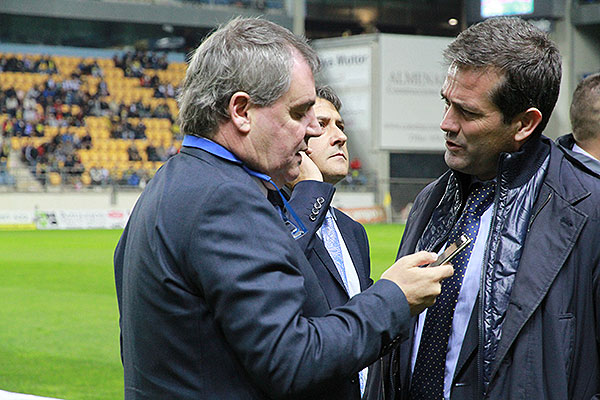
(326, 93)
(250, 55)
(525, 57)
(585, 109)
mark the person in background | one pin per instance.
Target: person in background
(336, 246)
(583, 145)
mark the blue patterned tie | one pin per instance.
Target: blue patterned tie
(428, 375)
(332, 244)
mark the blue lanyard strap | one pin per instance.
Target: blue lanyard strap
(287, 205)
(211, 147)
(220, 151)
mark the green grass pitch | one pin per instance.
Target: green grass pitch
(59, 334)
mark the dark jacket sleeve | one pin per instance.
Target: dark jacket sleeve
(311, 200)
(251, 274)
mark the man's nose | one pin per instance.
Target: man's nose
(313, 129)
(339, 137)
(449, 123)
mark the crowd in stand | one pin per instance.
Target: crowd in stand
(66, 103)
(123, 129)
(43, 65)
(133, 110)
(56, 155)
(60, 154)
(101, 176)
(133, 63)
(159, 153)
(91, 68)
(5, 177)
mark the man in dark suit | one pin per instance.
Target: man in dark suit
(342, 265)
(520, 317)
(216, 300)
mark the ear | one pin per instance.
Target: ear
(238, 107)
(526, 123)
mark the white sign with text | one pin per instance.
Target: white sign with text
(412, 74)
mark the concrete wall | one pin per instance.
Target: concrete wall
(68, 200)
(125, 200)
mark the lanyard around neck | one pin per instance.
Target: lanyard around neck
(221, 152)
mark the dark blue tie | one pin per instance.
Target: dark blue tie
(428, 375)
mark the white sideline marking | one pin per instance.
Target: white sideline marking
(18, 396)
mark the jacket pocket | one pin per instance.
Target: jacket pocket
(566, 323)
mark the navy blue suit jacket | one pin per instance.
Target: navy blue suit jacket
(217, 301)
(304, 201)
(311, 200)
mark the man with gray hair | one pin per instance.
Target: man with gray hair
(583, 144)
(520, 318)
(216, 299)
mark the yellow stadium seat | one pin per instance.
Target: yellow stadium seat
(85, 178)
(105, 63)
(84, 155)
(164, 123)
(103, 133)
(15, 143)
(51, 130)
(55, 178)
(148, 165)
(122, 144)
(112, 146)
